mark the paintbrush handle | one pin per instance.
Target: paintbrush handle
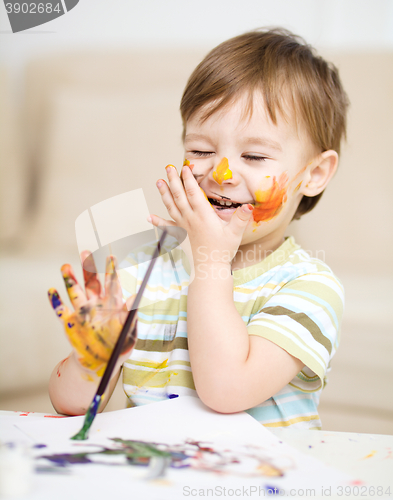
(129, 323)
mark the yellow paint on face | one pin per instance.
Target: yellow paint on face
(297, 187)
(187, 163)
(222, 172)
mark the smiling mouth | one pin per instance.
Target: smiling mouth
(224, 203)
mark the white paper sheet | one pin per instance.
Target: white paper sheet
(174, 422)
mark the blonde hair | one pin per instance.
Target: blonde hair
(289, 74)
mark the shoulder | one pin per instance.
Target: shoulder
(300, 308)
(312, 279)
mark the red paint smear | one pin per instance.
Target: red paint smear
(25, 414)
(60, 365)
(270, 202)
(54, 416)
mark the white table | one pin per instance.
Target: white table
(367, 457)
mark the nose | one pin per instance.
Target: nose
(222, 173)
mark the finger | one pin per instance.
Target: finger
(113, 295)
(240, 219)
(177, 190)
(132, 334)
(188, 164)
(159, 222)
(127, 307)
(74, 290)
(194, 192)
(60, 309)
(90, 275)
(79, 338)
(168, 200)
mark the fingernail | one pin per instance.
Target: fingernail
(248, 207)
(149, 219)
(159, 184)
(169, 166)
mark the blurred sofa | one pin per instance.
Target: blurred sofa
(85, 126)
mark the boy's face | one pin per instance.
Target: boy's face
(266, 166)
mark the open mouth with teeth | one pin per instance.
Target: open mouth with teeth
(223, 204)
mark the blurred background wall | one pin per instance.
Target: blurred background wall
(89, 109)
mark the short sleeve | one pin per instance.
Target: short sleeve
(304, 318)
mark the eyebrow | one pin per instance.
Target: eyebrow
(196, 137)
(265, 142)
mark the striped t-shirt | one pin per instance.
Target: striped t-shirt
(288, 298)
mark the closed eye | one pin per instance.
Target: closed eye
(255, 158)
(202, 153)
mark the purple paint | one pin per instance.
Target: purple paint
(272, 490)
(65, 459)
(55, 299)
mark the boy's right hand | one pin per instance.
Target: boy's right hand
(95, 324)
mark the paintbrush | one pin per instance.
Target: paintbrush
(128, 326)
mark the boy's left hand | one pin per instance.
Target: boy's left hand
(211, 239)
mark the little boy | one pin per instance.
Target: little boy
(257, 327)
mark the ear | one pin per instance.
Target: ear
(322, 170)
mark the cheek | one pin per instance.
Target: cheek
(269, 202)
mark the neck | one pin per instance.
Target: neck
(252, 253)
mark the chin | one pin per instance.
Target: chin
(224, 214)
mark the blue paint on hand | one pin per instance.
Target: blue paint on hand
(56, 302)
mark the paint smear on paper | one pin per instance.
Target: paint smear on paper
(370, 455)
(269, 202)
(222, 172)
(247, 462)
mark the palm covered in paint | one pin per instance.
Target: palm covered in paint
(98, 316)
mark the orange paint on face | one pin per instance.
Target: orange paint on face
(222, 172)
(269, 202)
